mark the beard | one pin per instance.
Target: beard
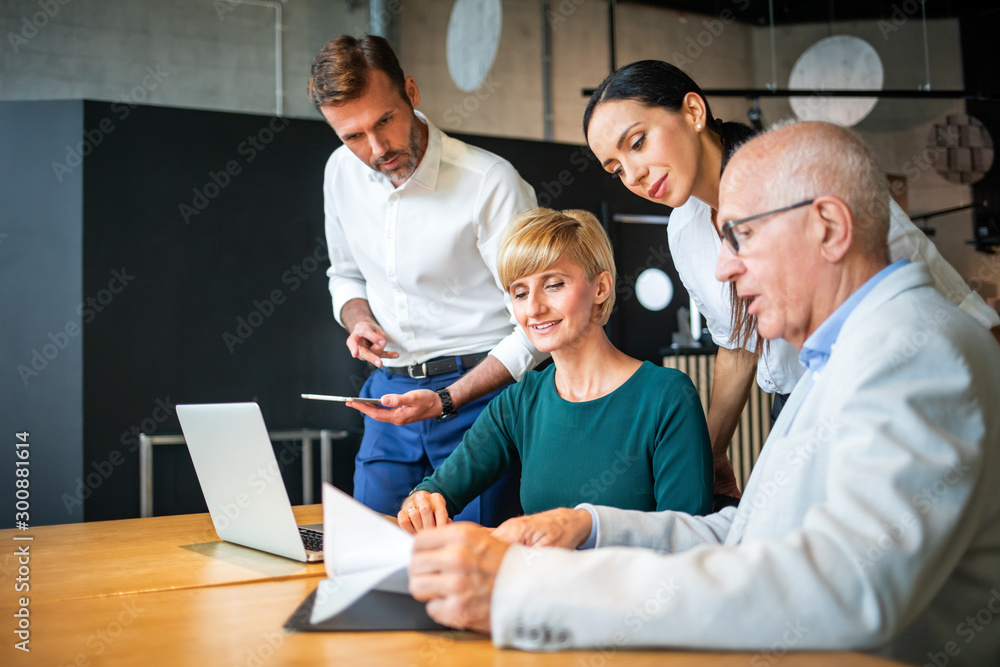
(410, 155)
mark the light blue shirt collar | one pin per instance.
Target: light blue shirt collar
(818, 347)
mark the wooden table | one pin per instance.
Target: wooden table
(173, 595)
(136, 555)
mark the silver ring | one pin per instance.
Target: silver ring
(412, 509)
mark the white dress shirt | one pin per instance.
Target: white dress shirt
(694, 247)
(871, 520)
(424, 254)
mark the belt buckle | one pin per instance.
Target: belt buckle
(423, 370)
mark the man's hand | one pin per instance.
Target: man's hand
(453, 570)
(422, 510)
(725, 478)
(413, 406)
(561, 527)
(367, 342)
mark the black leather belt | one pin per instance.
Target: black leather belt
(437, 366)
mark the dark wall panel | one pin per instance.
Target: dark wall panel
(41, 337)
(646, 334)
(978, 30)
(214, 221)
(204, 234)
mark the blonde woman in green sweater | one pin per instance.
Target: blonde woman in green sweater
(595, 426)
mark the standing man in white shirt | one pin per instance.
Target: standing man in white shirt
(413, 222)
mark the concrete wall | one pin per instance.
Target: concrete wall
(897, 129)
(509, 103)
(208, 54)
(714, 50)
(219, 54)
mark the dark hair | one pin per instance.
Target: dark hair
(654, 83)
(340, 71)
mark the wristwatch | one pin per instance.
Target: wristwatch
(447, 408)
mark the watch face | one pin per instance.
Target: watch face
(447, 417)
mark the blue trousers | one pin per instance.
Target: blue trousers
(394, 459)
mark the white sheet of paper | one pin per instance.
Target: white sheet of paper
(337, 594)
(362, 551)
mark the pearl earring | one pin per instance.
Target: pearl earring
(698, 127)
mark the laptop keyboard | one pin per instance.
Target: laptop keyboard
(312, 539)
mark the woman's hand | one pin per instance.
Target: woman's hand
(725, 478)
(422, 510)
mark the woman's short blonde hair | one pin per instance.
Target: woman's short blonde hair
(537, 239)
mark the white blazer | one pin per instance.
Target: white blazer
(871, 520)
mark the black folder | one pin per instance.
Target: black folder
(375, 610)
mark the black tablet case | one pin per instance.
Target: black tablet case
(375, 610)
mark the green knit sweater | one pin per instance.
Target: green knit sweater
(644, 446)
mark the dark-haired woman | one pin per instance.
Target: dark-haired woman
(650, 126)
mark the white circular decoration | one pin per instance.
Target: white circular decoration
(841, 62)
(654, 289)
(473, 40)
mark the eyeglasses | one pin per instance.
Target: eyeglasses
(727, 228)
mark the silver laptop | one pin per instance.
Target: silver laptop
(241, 481)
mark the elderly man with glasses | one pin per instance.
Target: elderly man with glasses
(871, 520)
